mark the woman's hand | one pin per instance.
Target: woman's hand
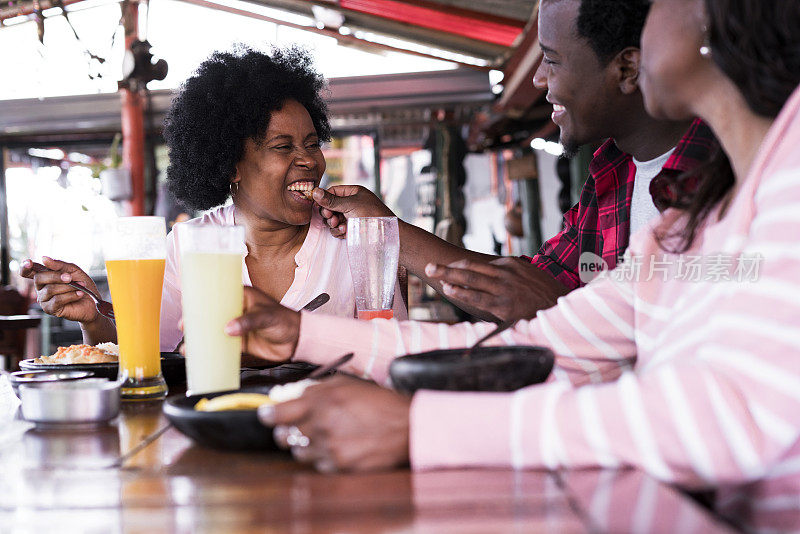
(268, 330)
(350, 425)
(56, 297)
(342, 201)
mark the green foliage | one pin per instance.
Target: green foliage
(114, 153)
(113, 161)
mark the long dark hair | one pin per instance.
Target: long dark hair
(757, 45)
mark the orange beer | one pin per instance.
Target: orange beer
(135, 250)
(136, 291)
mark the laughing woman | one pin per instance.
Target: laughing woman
(247, 126)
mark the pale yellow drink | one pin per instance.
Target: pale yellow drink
(211, 294)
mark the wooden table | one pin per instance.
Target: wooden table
(138, 474)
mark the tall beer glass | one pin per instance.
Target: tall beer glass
(135, 251)
(211, 294)
(373, 251)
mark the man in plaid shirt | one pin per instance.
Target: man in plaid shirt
(600, 222)
(590, 71)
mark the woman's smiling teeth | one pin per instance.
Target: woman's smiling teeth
(304, 188)
(558, 108)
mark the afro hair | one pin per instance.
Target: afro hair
(229, 99)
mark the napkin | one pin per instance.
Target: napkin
(10, 428)
(290, 391)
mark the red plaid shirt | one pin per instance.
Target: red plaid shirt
(600, 221)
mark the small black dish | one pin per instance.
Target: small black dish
(173, 368)
(486, 369)
(231, 429)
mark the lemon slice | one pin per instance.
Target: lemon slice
(233, 401)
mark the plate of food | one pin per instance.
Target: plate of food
(103, 361)
(229, 419)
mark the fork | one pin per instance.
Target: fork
(501, 327)
(332, 366)
(104, 307)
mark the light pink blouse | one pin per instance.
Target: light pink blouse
(692, 376)
(322, 266)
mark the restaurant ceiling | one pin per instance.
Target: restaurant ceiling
(500, 34)
(366, 103)
(486, 29)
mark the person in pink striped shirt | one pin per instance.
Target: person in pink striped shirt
(683, 362)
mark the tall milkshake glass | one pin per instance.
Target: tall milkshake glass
(135, 251)
(211, 295)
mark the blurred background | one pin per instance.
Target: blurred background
(432, 106)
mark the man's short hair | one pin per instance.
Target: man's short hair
(610, 26)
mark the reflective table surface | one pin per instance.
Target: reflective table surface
(140, 474)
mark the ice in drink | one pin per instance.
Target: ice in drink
(211, 292)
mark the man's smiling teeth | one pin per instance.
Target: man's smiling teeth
(558, 108)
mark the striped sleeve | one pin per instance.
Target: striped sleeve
(725, 411)
(582, 354)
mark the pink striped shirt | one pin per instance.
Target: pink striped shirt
(697, 382)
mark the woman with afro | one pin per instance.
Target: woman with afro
(246, 126)
(249, 125)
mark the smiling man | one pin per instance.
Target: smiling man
(590, 72)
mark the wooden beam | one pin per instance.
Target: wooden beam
(10, 11)
(5, 246)
(464, 22)
(133, 117)
(519, 93)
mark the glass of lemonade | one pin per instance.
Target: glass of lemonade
(135, 251)
(211, 295)
(373, 251)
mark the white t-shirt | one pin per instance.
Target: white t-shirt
(642, 208)
(322, 266)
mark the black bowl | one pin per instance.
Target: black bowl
(230, 429)
(486, 369)
(173, 368)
